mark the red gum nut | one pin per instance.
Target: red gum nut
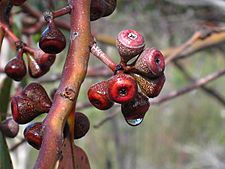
(122, 88)
(82, 125)
(23, 109)
(129, 44)
(32, 102)
(98, 96)
(101, 8)
(150, 87)
(52, 40)
(151, 62)
(136, 108)
(40, 63)
(33, 134)
(16, 69)
(97, 9)
(37, 94)
(9, 128)
(44, 60)
(110, 7)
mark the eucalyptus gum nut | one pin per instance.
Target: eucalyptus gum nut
(23, 109)
(33, 67)
(18, 2)
(16, 69)
(150, 87)
(150, 63)
(33, 134)
(37, 94)
(136, 108)
(40, 63)
(32, 102)
(52, 40)
(129, 43)
(110, 7)
(82, 125)
(97, 9)
(101, 8)
(9, 128)
(122, 88)
(98, 96)
(44, 60)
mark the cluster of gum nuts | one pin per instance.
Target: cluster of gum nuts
(33, 100)
(132, 83)
(30, 103)
(39, 61)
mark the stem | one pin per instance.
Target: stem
(210, 91)
(187, 44)
(189, 88)
(9, 32)
(96, 51)
(73, 75)
(61, 12)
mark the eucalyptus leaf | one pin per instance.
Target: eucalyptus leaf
(5, 161)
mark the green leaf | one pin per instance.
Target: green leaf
(5, 97)
(5, 161)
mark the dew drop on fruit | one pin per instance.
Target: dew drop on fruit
(134, 122)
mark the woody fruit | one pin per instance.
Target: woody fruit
(122, 88)
(99, 97)
(129, 44)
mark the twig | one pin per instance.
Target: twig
(183, 47)
(206, 89)
(216, 36)
(189, 88)
(96, 51)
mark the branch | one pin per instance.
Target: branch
(5, 7)
(103, 57)
(72, 77)
(189, 88)
(206, 89)
(195, 44)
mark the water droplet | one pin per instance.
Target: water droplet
(134, 122)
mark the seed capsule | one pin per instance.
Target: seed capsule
(150, 63)
(134, 111)
(32, 102)
(9, 128)
(101, 8)
(40, 63)
(52, 39)
(129, 44)
(122, 88)
(33, 134)
(150, 87)
(37, 94)
(99, 97)
(82, 125)
(16, 69)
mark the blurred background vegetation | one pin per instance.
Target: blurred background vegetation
(187, 132)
